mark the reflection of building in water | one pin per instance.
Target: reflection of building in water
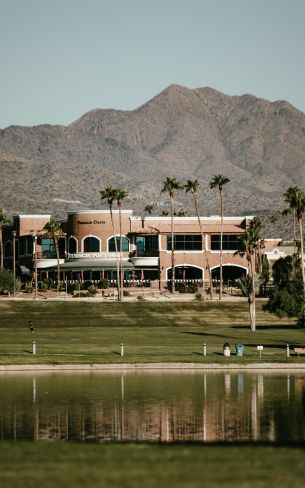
(214, 408)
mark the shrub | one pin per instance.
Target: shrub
(140, 298)
(92, 290)
(28, 287)
(48, 282)
(186, 287)
(103, 284)
(126, 293)
(6, 282)
(199, 297)
(43, 287)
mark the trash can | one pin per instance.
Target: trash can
(239, 349)
(226, 349)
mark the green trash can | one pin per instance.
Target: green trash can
(239, 349)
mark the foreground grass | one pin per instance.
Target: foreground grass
(82, 332)
(59, 465)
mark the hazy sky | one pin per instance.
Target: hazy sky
(61, 58)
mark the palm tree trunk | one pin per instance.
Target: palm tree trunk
(1, 249)
(173, 245)
(221, 239)
(302, 253)
(252, 304)
(204, 246)
(294, 229)
(58, 264)
(121, 257)
(117, 254)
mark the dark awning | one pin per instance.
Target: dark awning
(94, 265)
(24, 270)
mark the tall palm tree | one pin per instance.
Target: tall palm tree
(149, 208)
(120, 195)
(3, 220)
(296, 204)
(52, 230)
(170, 186)
(109, 194)
(250, 245)
(218, 181)
(192, 187)
(273, 218)
(291, 195)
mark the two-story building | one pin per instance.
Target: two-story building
(91, 238)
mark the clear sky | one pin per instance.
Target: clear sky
(62, 58)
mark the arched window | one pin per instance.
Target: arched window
(125, 244)
(91, 244)
(8, 249)
(72, 245)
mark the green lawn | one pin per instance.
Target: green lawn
(64, 465)
(83, 332)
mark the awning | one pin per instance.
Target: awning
(94, 265)
(24, 270)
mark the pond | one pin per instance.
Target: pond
(153, 406)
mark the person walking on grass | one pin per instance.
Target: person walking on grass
(30, 326)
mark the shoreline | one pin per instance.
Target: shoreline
(264, 367)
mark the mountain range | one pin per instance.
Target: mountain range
(182, 132)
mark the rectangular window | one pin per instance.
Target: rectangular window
(147, 243)
(47, 248)
(185, 242)
(229, 242)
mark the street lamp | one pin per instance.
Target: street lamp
(14, 261)
(35, 251)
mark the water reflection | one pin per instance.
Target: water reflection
(158, 407)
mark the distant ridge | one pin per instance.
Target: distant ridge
(182, 132)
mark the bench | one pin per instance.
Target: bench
(299, 350)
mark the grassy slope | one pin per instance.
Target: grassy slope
(82, 332)
(58, 465)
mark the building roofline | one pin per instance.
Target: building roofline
(180, 219)
(33, 216)
(107, 211)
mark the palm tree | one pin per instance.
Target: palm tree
(296, 201)
(218, 181)
(3, 220)
(181, 213)
(250, 244)
(170, 186)
(291, 195)
(273, 218)
(149, 208)
(109, 194)
(119, 196)
(192, 187)
(52, 230)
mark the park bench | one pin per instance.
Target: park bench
(299, 350)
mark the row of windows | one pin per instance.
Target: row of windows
(92, 244)
(183, 242)
(229, 242)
